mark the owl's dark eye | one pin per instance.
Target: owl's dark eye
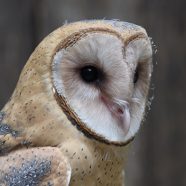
(136, 75)
(90, 74)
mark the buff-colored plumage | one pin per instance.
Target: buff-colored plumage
(38, 121)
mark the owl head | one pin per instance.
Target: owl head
(90, 76)
(101, 77)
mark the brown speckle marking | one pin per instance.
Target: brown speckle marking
(59, 173)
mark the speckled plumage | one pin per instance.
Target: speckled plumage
(35, 127)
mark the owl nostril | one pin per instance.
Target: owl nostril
(120, 111)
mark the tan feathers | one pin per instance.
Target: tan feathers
(90, 123)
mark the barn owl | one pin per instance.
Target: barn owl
(79, 101)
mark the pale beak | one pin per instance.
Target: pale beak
(120, 111)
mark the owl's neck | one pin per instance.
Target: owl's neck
(94, 163)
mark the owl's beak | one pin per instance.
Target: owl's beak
(120, 111)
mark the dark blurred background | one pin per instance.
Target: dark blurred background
(157, 156)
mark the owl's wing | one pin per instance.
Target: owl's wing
(35, 166)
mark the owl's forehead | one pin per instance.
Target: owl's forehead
(103, 40)
(101, 48)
